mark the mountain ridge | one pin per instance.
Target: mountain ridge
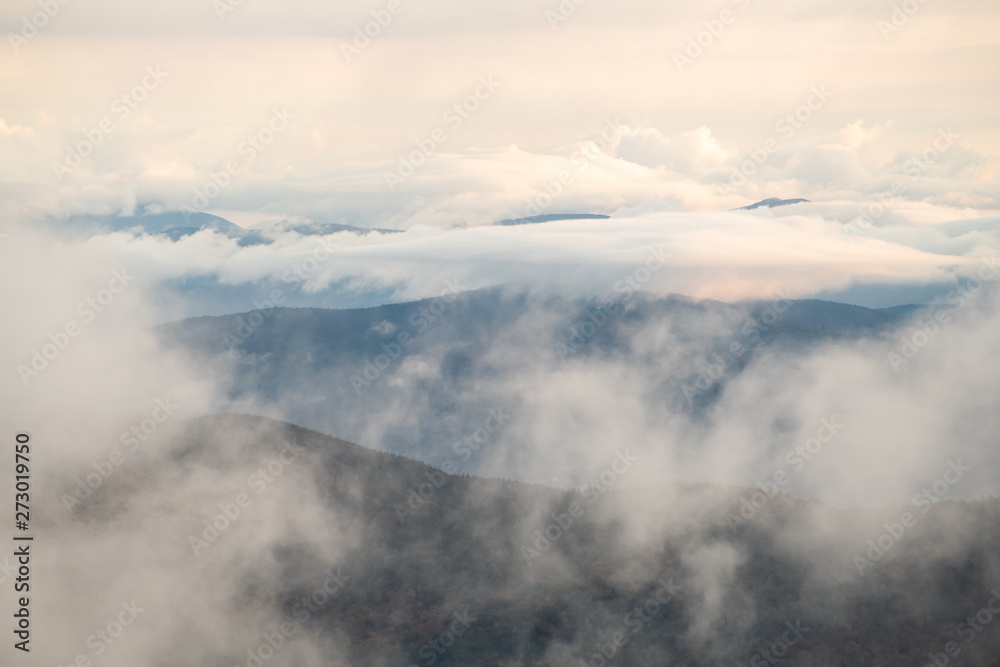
(418, 545)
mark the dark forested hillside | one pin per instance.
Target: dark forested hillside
(384, 560)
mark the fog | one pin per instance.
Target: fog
(870, 430)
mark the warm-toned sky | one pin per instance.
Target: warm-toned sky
(686, 123)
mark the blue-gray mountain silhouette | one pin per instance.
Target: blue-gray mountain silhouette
(771, 202)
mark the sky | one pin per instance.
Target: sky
(839, 95)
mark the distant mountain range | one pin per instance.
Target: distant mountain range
(771, 202)
(317, 228)
(175, 223)
(550, 217)
(178, 224)
(445, 363)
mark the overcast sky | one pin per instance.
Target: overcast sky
(692, 87)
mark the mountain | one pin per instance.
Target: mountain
(444, 363)
(382, 560)
(317, 228)
(835, 320)
(771, 202)
(174, 223)
(549, 217)
(178, 224)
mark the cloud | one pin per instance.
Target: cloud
(721, 255)
(347, 134)
(685, 152)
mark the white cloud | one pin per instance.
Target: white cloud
(686, 152)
